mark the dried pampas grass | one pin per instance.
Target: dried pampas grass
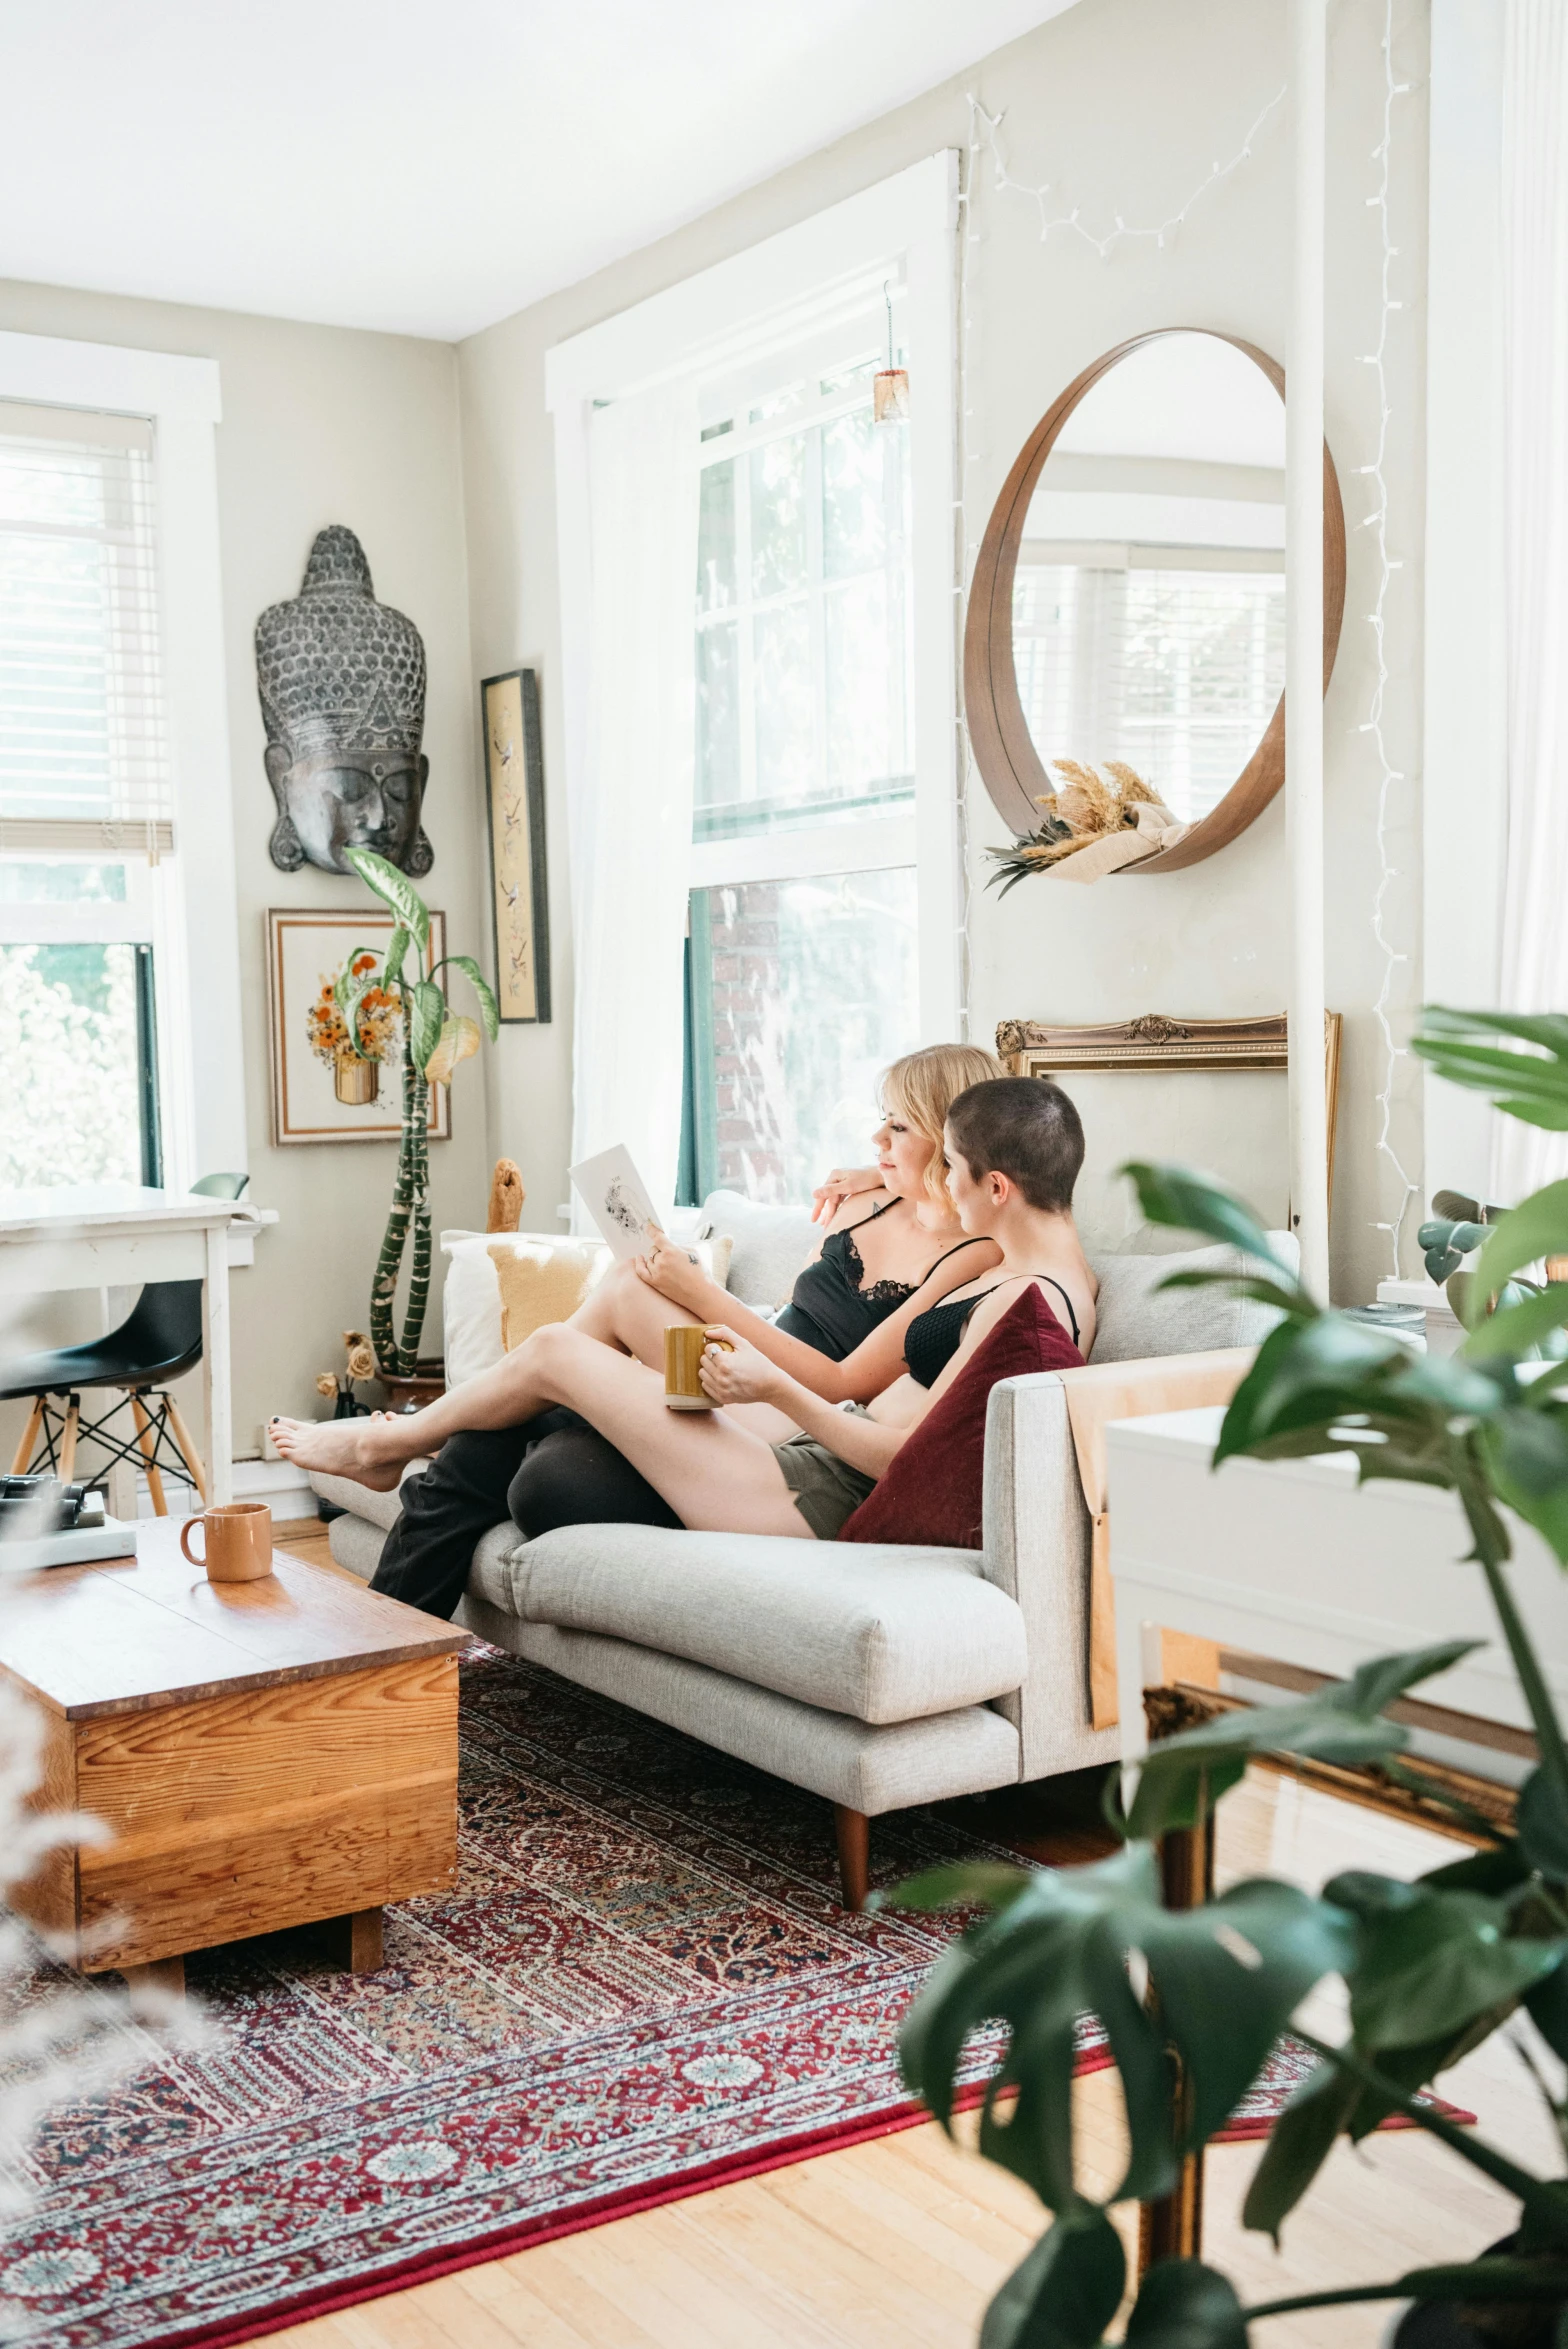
(1084, 807)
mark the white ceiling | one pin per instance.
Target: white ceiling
(424, 166)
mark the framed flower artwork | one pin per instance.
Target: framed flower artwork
(322, 1091)
(514, 790)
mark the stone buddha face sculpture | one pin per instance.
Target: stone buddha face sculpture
(342, 683)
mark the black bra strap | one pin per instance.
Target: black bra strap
(972, 1302)
(845, 1229)
(941, 1260)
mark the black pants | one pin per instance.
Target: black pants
(553, 1470)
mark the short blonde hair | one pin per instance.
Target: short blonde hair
(923, 1086)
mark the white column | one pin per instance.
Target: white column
(1304, 644)
(215, 1365)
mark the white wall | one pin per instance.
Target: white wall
(322, 425)
(1091, 104)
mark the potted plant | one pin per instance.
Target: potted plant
(434, 1041)
(1432, 1967)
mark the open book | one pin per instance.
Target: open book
(617, 1198)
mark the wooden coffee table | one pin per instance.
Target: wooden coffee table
(265, 1754)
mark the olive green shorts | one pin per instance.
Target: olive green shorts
(827, 1490)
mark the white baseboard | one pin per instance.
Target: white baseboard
(284, 1488)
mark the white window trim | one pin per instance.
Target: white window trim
(199, 1041)
(1465, 718)
(770, 297)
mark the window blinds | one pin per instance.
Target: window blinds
(84, 752)
(1169, 659)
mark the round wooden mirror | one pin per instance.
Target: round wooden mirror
(1129, 599)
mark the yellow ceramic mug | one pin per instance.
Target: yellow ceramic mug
(684, 1344)
(238, 1545)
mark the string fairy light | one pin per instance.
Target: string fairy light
(985, 140)
(1073, 220)
(1377, 620)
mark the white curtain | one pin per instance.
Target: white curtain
(1535, 358)
(631, 824)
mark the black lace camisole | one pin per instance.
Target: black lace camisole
(934, 1337)
(831, 1308)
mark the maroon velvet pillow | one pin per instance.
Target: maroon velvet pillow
(931, 1490)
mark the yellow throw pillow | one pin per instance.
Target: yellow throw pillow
(539, 1286)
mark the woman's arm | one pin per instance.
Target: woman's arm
(742, 1374)
(836, 1190)
(874, 1363)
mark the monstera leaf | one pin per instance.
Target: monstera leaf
(1228, 1976)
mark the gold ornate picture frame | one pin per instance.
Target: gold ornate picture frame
(1157, 1042)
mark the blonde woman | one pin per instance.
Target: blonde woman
(886, 1253)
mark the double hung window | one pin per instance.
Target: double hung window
(86, 813)
(803, 966)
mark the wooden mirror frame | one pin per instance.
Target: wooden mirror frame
(1011, 767)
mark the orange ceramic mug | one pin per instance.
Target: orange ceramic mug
(684, 1345)
(239, 1541)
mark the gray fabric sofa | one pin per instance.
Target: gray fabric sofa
(876, 1676)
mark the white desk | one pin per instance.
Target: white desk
(1290, 1559)
(121, 1235)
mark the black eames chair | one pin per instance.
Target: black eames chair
(159, 1341)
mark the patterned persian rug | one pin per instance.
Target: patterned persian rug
(642, 1984)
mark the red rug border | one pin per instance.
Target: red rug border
(730, 2169)
(424, 2267)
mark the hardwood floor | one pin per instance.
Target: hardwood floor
(899, 2244)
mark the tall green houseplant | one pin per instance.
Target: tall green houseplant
(435, 1040)
(1433, 1967)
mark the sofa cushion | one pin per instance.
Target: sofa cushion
(932, 1489)
(770, 1244)
(1135, 1319)
(881, 1634)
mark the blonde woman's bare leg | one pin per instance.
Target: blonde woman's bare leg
(716, 1475)
(625, 1313)
(375, 1451)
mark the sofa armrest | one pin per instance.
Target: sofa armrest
(1037, 1550)
(1046, 1528)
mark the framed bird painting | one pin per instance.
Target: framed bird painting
(514, 785)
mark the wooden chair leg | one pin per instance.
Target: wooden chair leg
(73, 1420)
(185, 1445)
(24, 1450)
(853, 1830)
(149, 1451)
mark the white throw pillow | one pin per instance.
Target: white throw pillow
(501, 1286)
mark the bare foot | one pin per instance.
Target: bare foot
(357, 1448)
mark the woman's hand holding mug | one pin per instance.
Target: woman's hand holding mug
(733, 1371)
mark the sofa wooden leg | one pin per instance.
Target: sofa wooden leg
(853, 1830)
